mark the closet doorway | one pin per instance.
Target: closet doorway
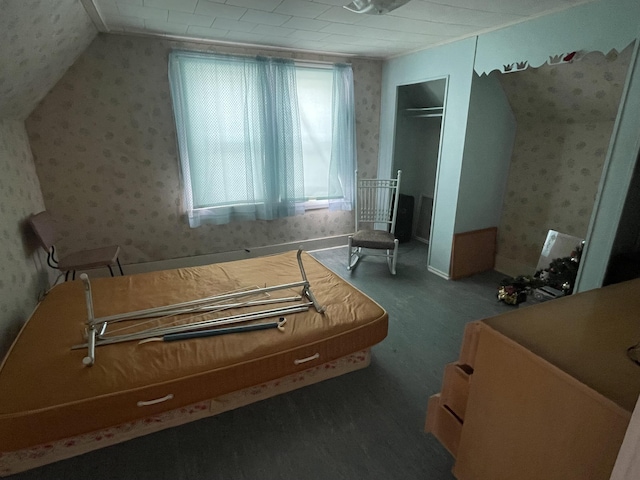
(419, 118)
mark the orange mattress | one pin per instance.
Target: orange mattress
(48, 394)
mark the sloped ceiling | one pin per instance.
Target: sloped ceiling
(39, 40)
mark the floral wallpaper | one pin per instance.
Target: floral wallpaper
(565, 116)
(105, 151)
(39, 39)
(22, 278)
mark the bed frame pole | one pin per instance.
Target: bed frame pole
(169, 309)
(90, 359)
(172, 337)
(199, 309)
(190, 327)
(306, 289)
(94, 338)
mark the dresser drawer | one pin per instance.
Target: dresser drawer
(443, 424)
(455, 388)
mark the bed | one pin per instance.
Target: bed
(58, 407)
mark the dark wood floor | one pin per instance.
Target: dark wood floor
(364, 425)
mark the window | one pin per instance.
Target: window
(314, 90)
(261, 138)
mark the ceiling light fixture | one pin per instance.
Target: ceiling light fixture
(374, 7)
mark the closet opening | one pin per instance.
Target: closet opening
(420, 111)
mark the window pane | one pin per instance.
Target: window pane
(218, 132)
(315, 90)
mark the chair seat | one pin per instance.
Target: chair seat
(373, 239)
(87, 259)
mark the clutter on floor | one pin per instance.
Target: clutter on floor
(555, 274)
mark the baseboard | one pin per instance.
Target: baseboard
(512, 268)
(438, 272)
(183, 262)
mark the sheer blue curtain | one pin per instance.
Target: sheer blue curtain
(239, 136)
(343, 151)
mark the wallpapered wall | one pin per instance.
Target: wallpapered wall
(105, 151)
(39, 39)
(20, 282)
(565, 115)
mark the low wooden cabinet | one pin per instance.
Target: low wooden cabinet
(542, 392)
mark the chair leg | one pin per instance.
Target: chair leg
(353, 252)
(51, 257)
(66, 275)
(110, 270)
(120, 266)
(73, 276)
(392, 265)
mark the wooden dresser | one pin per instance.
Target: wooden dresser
(542, 392)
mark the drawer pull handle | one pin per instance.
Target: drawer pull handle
(146, 403)
(298, 361)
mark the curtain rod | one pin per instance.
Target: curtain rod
(346, 58)
(298, 62)
(321, 64)
(315, 63)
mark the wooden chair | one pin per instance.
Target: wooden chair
(376, 212)
(43, 226)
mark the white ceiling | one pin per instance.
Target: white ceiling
(318, 25)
